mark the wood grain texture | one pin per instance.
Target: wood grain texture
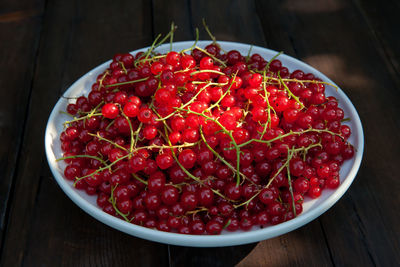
(179, 12)
(73, 238)
(47, 45)
(228, 20)
(219, 257)
(303, 247)
(20, 30)
(384, 24)
(77, 36)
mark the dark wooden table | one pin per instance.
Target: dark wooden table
(46, 45)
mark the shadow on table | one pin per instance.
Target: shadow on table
(221, 256)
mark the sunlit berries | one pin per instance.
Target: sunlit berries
(205, 141)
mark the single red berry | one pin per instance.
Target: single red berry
(267, 196)
(164, 161)
(145, 115)
(150, 132)
(110, 111)
(314, 192)
(131, 110)
(187, 158)
(189, 201)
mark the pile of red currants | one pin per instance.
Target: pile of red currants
(201, 140)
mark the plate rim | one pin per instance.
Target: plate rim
(230, 239)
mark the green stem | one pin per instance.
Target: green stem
(108, 141)
(129, 82)
(224, 94)
(286, 135)
(139, 179)
(114, 204)
(102, 79)
(248, 53)
(220, 157)
(102, 169)
(280, 169)
(268, 106)
(273, 58)
(207, 71)
(83, 156)
(194, 44)
(171, 38)
(208, 31)
(151, 48)
(290, 184)
(82, 118)
(302, 81)
(66, 113)
(227, 133)
(212, 56)
(165, 38)
(290, 92)
(131, 131)
(123, 66)
(187, 172)
(247, 201)
(184, 105)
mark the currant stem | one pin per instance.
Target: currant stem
(248, 53)
(139, 179)
(102, 169)
(220, 157)
(82, 118)
(290, 185)
(114, 204)
(194, 44)
(196, 211)
(247, 201)
(290, 92)
(131, 131)
(224, 94)
(171, 39)
(123, 67)
(108, 141)
(82, 156)
(268, 107)
(207, 71)
(229, 133)
(208, 31)
(286, 135)
(211, 56)
(273, 58)
(188, 173)
(153, 45)
(289, 157)
(129, 82)
(66, 113)
(184, 105)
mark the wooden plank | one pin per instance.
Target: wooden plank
(384, 24)
(224, 256)
(20, 25)
(58, 223)
(164, 13)
(297, 248)
(228, 21)
(334, 37)
(45, 228)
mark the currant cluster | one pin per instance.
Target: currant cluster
(202, 140)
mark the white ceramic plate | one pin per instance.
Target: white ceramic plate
(311, 209)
